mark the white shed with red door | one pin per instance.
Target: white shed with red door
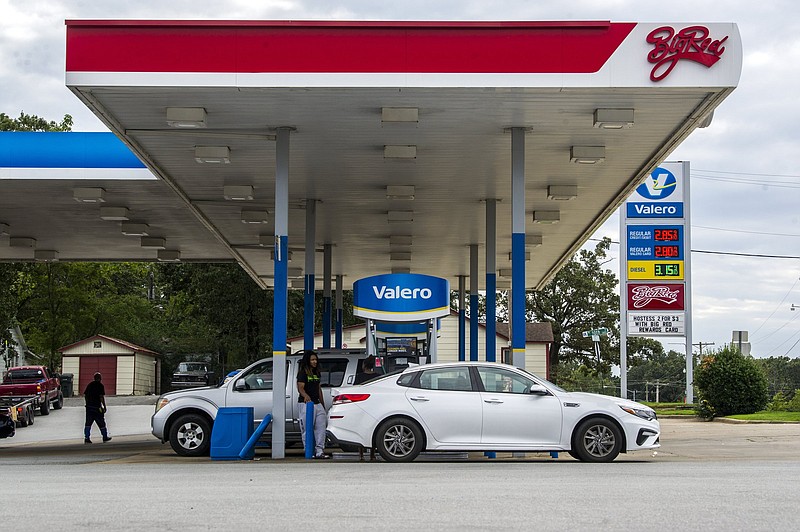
(127, 369)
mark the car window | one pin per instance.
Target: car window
(406, 379)
(259, 377)
(445, 379)
(332, 371)
(503, 381)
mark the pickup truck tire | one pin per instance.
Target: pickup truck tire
(190, 435)
(58, 403)
(45, 408)
(31, 415)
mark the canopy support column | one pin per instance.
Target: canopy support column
(518, 326)
(491, 280)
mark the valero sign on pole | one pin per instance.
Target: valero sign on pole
(656, 266)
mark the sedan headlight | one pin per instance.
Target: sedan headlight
(162, 402)
(644, 413)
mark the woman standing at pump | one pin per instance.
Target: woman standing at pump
(309, 386)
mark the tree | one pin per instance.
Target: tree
(581, 296)
(659, 371)
(27, 122)
(61, 303)
(731, 382)
(783, 374)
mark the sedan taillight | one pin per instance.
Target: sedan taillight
(350, 398)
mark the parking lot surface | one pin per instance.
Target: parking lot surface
(706, 476)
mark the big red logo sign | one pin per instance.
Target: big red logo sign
(655, 297)
(692, 43)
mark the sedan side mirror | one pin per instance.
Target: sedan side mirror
(240, 385)
(538, 389)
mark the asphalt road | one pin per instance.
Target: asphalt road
(706, 476)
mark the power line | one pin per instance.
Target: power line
(733, 253)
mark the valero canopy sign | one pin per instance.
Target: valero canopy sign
(401, 297)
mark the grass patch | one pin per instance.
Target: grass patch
(683, 409)
(769, 415)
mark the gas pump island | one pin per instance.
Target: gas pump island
(402, 313)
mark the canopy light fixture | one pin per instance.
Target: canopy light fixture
(399, 114)
(527, 256)
(613, 118)
(45, 255)
(266, 241)
(294, 272)
(89, 194)
(504, 272)
(254, 216)
(587, 154)
(114, 214)
(546, 217)
(153, 242)
(238, 192)
(3, 229)
(169, 255)
(533, 240)
(401, 269)
(400, 255)
(401, 216)
(186, 117)
(272, 254)
(399, 152)
(298, 283)
(212, 154)
(400, 240)
(562, 192)
(135, 229)
(400, 192)
(503, 285)
(22, 242)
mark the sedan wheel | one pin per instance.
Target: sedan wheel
(597, 440)
(190, 435)
(399, 440)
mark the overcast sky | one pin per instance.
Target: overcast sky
(745, 185)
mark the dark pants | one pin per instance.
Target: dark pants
(93, 415)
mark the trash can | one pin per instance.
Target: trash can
(232, 428)
(66, 384)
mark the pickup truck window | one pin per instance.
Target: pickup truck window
(23, 374)
(259, 377)
(191, 367)
(332, 371)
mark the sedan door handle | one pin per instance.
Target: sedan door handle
(493, 401)
(419, 398)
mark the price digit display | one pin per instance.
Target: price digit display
(666, 252)
(666, 235)
(667, 270)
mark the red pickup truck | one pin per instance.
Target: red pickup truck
(32, 382)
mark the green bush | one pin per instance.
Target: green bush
(779, 403)
(794, 404)
(731, 382)
(704, 410)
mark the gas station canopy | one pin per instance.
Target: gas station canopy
(399, 134)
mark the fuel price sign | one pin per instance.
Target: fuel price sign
(655, 242)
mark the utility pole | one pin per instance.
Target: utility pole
(700, 346)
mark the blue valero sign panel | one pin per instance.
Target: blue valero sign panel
(660, 196)
(401, 297)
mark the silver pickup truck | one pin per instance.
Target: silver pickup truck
(185, 418)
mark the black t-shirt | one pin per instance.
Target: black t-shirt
(94, 391)
(311, 386)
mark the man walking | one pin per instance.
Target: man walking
(95, 396)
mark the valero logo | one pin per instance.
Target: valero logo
(660, 185)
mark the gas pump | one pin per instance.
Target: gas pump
(400, 345)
